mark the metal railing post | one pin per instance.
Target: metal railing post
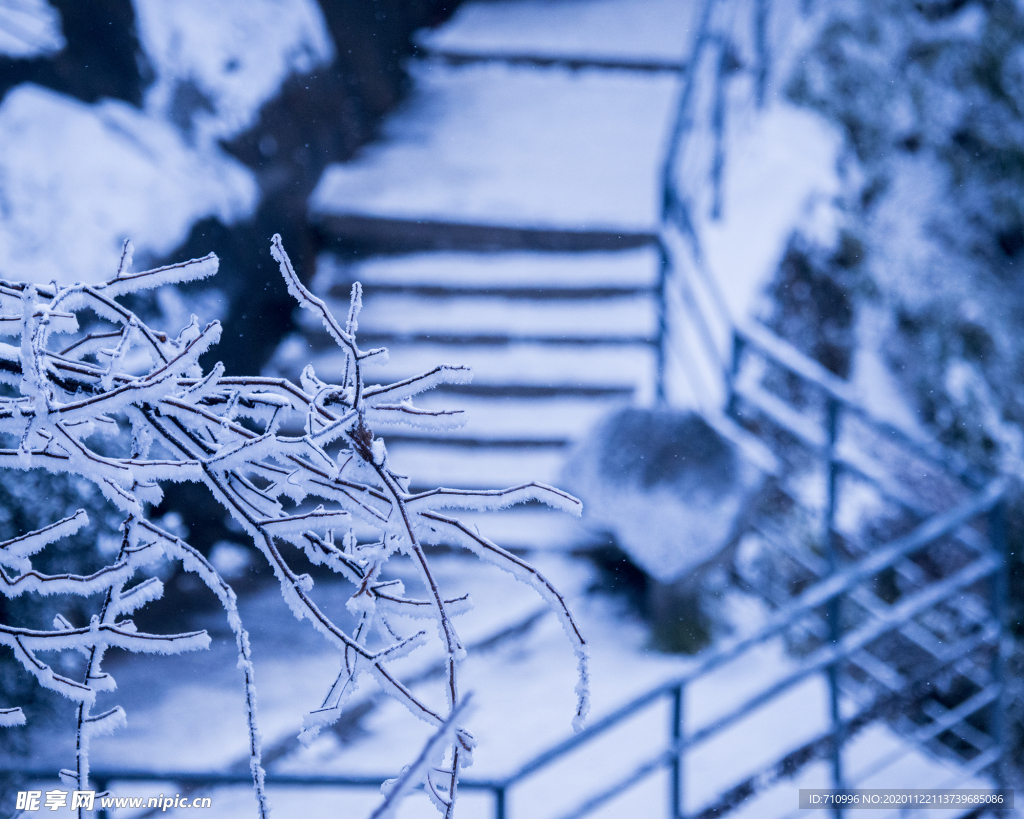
(732, 399)
(997, 535)
(718, 114)
(761, 46)
(833, 607)
(664, 268)
(676, 775)
(499, 803)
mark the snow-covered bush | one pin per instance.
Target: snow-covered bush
(127, 407)
(674, 494)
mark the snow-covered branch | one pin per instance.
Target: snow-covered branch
(92, 406)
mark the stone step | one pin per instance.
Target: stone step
(509, 148)
(520, 367)
(512, 274)
(435, 463)
(534, 391)
(652, 35)
(555, 420)
(530, 528)
(531, 325)
(474, 318)
(386, 234)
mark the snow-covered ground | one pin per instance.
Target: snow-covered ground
(186, 713)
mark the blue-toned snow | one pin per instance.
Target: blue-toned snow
(186, 712)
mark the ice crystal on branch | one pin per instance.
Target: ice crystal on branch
(127, 407)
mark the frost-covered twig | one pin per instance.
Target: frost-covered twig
(162, 419)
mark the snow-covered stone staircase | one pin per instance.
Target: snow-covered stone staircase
(554, 342)
(508, 220)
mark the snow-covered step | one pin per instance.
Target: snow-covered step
(530, 528)
(536, 191)
(499, 146)
(594, 368)
(530, 325)
(524, 529)
(511, 273)
(381, 233)
(490, 419)
(432, 463)
(648, 35)
(486, 319)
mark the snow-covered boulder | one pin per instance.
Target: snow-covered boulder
(76, 180)
(666, 485)
(216, 64)
(30, 28)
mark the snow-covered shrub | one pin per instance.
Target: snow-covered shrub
(672, 492)
(127, 407)
(666, 485)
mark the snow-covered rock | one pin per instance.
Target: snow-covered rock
(76, 180)
(218, 63)
(666, 485)
(30, 28)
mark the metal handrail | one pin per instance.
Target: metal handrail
(820, 744)
(987, 495)
(986, 491)
(814, 597)
(104, 776)
(782, 353)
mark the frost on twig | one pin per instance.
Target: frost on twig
(299, 467)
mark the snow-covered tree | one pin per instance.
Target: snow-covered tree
(96, 393)
(925, 272)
